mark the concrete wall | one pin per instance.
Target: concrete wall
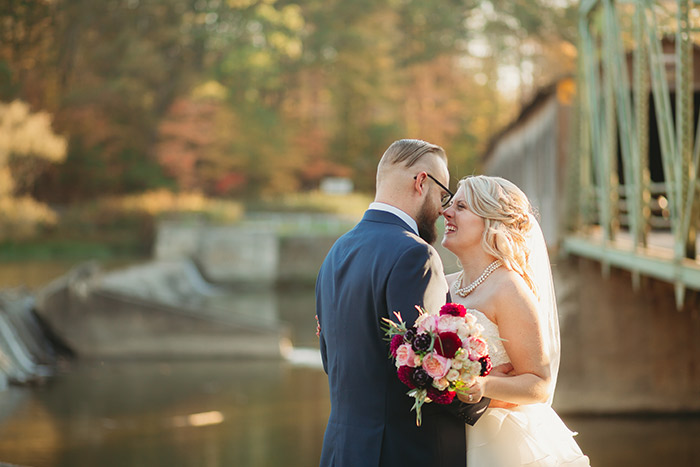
(224, 253)
(624, 350)
(300, 257)
(245, 254)
(157, 310)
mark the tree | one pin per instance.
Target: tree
(26, 137)
(310, 88)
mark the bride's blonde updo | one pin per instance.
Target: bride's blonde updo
(506, 213)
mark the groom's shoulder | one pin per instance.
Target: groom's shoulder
(412, 248)
(390, 232)
(386, 241)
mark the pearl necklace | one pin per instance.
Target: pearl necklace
(464, 291)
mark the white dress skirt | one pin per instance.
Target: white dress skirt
(528, 435)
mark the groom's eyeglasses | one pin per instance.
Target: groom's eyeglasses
(446, 197)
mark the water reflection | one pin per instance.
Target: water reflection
(142, 413)
(244, 412)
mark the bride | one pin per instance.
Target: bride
(506, 283)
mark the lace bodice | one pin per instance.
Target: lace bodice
(497, 351)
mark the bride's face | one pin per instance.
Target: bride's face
(463, 228)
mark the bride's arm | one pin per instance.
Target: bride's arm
(505, 369)
(516, 315)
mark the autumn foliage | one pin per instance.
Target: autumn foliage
(246, 98)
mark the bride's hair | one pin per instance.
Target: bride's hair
(506, 213)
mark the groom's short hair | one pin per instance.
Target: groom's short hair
(410, 151)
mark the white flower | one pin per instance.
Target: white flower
(471, 368)
(470, 319)
(464, 331)
(452, 375)
(468, 380)
(441, 383)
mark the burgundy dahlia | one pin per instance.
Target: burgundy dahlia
(454, 309)
(421, 378)
(441, 397)
(447, 344)
(406, 376)
(410, 334)
(421, 343)
(485, 365)
(396, 341)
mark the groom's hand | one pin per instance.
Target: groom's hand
(504, 369)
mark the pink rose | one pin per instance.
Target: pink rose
(435, 365)
(477, 348)
(426, 323)
(405, 356)
(449, 323)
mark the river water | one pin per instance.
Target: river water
(248, 413)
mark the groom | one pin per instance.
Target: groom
(386, 264)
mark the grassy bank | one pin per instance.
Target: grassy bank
(49, 249)
(125, 227)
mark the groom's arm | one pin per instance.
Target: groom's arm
(416, 279)
(469, 413)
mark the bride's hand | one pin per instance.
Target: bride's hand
(474, 393)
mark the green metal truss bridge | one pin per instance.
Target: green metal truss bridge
(638, 76)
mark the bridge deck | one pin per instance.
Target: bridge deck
(655, 260)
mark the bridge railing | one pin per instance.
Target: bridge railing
(614, 89)
(657, 213)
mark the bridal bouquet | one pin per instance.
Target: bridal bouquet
(439, 355)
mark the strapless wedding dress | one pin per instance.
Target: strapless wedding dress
(528, 435)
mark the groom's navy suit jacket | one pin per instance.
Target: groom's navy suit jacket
(378, 268)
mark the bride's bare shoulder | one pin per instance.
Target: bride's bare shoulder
(511, 292)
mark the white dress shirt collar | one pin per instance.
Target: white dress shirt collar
(397, 212)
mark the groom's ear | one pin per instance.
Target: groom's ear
(418, 182)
